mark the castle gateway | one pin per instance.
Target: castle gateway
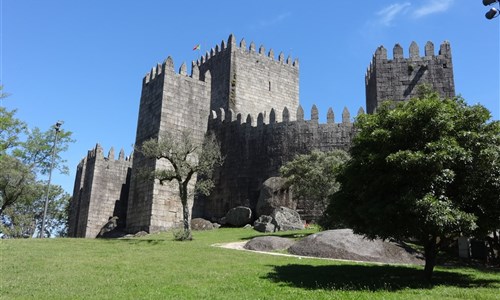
(250, 100)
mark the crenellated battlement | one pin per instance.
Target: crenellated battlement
(413, 51)
(98, 153)
(381, 57)
(231, 45)
(221, 116)
(168, 66)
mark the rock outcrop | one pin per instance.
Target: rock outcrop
(201, 224)
(285, 219)
(344, 244)
(268, 243)
(239, 216)
(273, 194)
(264, 224)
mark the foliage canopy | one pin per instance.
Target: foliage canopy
(25, 155)
(428, 168)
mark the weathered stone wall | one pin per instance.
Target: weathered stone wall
(251, 82)
(101, 191)
(170, 102)
(75, 210)
(396, 79)
(254, 151)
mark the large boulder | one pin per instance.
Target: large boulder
(201, 224)
(111, 229)
(285, 219)
(268, 243)
(274, 193)
(264, 224)
(239, 216)
(344, 244)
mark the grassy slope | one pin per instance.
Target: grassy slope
(155, 267)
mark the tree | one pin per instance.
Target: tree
(186, 159)
(27, 159)
(313, 176)
(17, 181)
(24, 217)
(25, 155)
(427, 169)
(10, 129)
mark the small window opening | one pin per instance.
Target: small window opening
(445, 66)
(269, 85)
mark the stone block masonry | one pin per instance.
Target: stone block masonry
(249, 81)
(254, 151)
(170, 102)
(250, 100)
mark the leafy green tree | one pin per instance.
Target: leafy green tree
(427, 169)
(185, 159)
(313, 176)
(25, 155)
(10, 129)
(24, 218)
(17, 182)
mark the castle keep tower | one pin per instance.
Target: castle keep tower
(248, 81)
(396, 79)
(170, 102)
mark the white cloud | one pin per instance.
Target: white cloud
(387, 14)
(432, 7)
(277, 19)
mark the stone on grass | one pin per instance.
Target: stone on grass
(201, 224)
(141, 233)
(285, 219)
(273, 194)
(110, 229)
(344, 244)
(264, 224)
(239, 216)
(268, 243)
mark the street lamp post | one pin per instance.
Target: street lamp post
(57, 128)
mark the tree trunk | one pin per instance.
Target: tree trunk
(185, 214)
(430, 252)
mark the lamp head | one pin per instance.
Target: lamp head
(489, 2)
(492, 13)
(58, 125)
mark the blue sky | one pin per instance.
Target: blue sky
(83, 61)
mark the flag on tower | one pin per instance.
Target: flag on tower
(197, 47)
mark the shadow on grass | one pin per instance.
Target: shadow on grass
(136, 241)
(372, 278)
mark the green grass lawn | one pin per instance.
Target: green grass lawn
(156, 267)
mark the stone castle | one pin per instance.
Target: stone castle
(250, 101)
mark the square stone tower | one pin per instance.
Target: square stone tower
(247, 81)
(396, 79)
(170, 102)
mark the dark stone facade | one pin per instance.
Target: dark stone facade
(396, 79)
